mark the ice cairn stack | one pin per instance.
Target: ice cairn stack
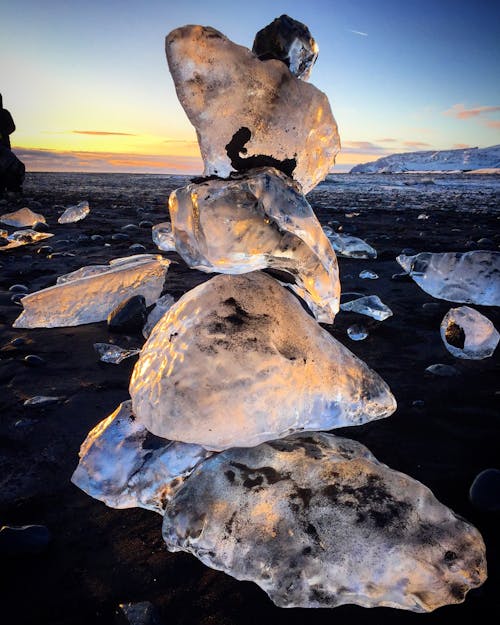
(235, 380)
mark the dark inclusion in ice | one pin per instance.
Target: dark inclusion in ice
(235, 148)
(289, 41)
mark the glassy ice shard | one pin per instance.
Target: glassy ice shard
(370, 305)
(237, 361)
(75, 213)
(163, 237)
(113, 354)
(357, 332)
(89, 294)
(466, 333)
(23, 237)
(124, 465)
(22, 218)
(257, 220)
(162, 305)
(317, 521)
(250, 113)
(289, 41)
(469, 277)
(349, 246)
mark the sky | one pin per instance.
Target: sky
(89, 88)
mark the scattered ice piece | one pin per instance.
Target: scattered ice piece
(469, 277)
(423, 216)
(444, 371)
(163, 237)
(237, 361)
(3, 233)
(249, 113)
(289, 41)
(317, 521)
(86, 297)
(349, 246)
(75, 213)
(162, 305)
(24, 237)
(357, 332)
(368, 275)
(22, 218)
(124, 465)
(351, 215)
(370, 305)
(466, 333)
(41, 400)
(484, 492)
(257, 220)
(113, 353)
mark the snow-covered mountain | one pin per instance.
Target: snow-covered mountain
(466, 159)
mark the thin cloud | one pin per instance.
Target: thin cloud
(103, 133)
(458, 111)
(183, 141)
(492, 124)
(357, 32)
(363, 147)
(416, 144)
(387, 140)
(460, 146)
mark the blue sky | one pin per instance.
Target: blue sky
(89, 88)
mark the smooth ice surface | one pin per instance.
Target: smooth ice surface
(41, 400)
(124, 465)
(237, 361)
(357, 332)
(370, 305)
(466, 333)
(317, 521)
(88, 295)
(24, 237)
(258, 220)
(366, 274)
(469, 277)
(162, 305)
(113, 354)
(349, 246)
(22, 218)
(250, 113)
(163, 237)
(289, 41)
(75, 213)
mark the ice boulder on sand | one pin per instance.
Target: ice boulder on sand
(22, 218)
(75, 213)
(466, 333)
(469, 277)
(316, 521)
(250, 113)
(89, 294)
(257, 220)
(237, 361)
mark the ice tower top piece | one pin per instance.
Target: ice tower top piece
(250, 113)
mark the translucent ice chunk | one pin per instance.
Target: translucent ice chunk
(162, 305)
(357, 332)
(256, 220)
(466, 333)
(349, 246)
(124, 466)
(289, 41)
(22, 218)
(75, 213)
(113, 354)
(370, 305)
(366, 274)
(87, 297)
(469, 277)
(163, 237)
(249, 113)
(41, 400)
(317, 521)
(237, 361)
(24, 237)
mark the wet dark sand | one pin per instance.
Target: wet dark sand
(100, 557)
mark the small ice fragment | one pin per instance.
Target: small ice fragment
(368, 275)
(370, 305)
(351, 215)
(41, 400)
(24, 237)
(443, 371)
(75, 213)
(163, 237)
(22, 218)
(349, 246)
(423, 216)
(113, 353)
(357, 332)
(469, 277)
(162, 305)
(468, 334)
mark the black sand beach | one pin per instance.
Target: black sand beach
(99, 557)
